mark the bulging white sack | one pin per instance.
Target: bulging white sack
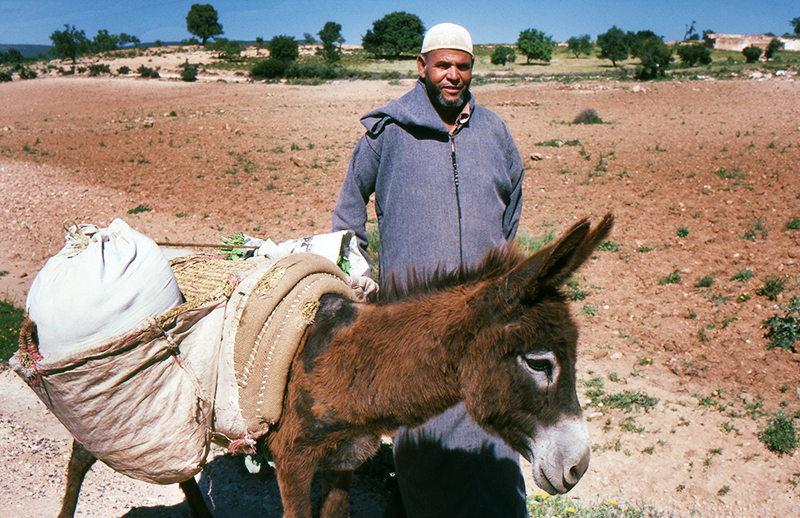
(104, 282)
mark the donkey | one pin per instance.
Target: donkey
(498, 337)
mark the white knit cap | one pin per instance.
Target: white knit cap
(447, 36)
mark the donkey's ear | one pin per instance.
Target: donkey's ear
(553, 265)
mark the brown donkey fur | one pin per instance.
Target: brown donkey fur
(499, 337)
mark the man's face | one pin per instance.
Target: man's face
(447, 74)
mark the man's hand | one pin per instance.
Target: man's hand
(366, 289)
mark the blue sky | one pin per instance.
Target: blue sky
(33, 21)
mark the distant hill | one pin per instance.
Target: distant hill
(28, 51)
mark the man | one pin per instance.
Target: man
(447, 180)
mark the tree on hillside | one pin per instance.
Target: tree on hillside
(693, 54)
(124, 39)
(752, 53)
(655, 56)
(202, 21)
(105, 42)
(580, 45)
(612, 45)
(283, 48)
(12, 57)
(535, 45)
(708, 41)
(636, 40)
(69, 43)
(394, 34)
(772, 48)
(795, 22)
(331, 34)
(502, 55)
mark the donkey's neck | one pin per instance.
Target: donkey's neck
(397, 363)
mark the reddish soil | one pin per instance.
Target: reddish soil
(716, 159)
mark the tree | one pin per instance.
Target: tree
(105, 42)
(795, 22)
(202, 21)
(690, 33)
(283, 48)
(331, 34)
(636, 40)
(752, 53)
(580, 45)
(708, 41)
(772, 48)
(503, 55)
(535, 45)
(309, 39)
(12, 57)
(394, 34)
(69, 43)
(125, 39)
(612, 45)
(694, 53)
(655, 56)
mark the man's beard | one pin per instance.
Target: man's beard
(442, 101)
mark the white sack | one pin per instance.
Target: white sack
(103, 283)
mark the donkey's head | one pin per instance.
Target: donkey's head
(518, 371)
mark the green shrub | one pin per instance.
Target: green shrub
(752, 53)
(27, 73)
(673, 278)
(5, 76)
(188, 73)
(704, 282)
(148, 72)
(773, 285)
(793, 224)
(10, 323)
(123, 70)
(97, 69)
(269, 68)
(587, 116)
(693, 54)
(780, 435)
(784, 331)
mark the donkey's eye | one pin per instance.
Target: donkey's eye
(540, 365)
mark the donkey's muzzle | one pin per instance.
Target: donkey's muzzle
(561, 455)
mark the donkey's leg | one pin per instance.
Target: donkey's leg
(194, 498)
(80, 462)
(294, 479)
(335, 493)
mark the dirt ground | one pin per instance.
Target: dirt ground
(702, 177)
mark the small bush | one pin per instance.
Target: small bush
(10, 323)
(682, 232)
(780, 435)
(146, 72)
(188, 73)
(5, 76)
(673, 278)
(139, 209)
(97, 69)
(704, 282)
(793, 224)
(270, 68)
(742, 276)
(123, 70)
(773, 285)
(27, 73)
(588, 116)
(752, 53)
(784, 331)
(693, 54)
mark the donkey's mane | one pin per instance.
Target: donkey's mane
(498, 261)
